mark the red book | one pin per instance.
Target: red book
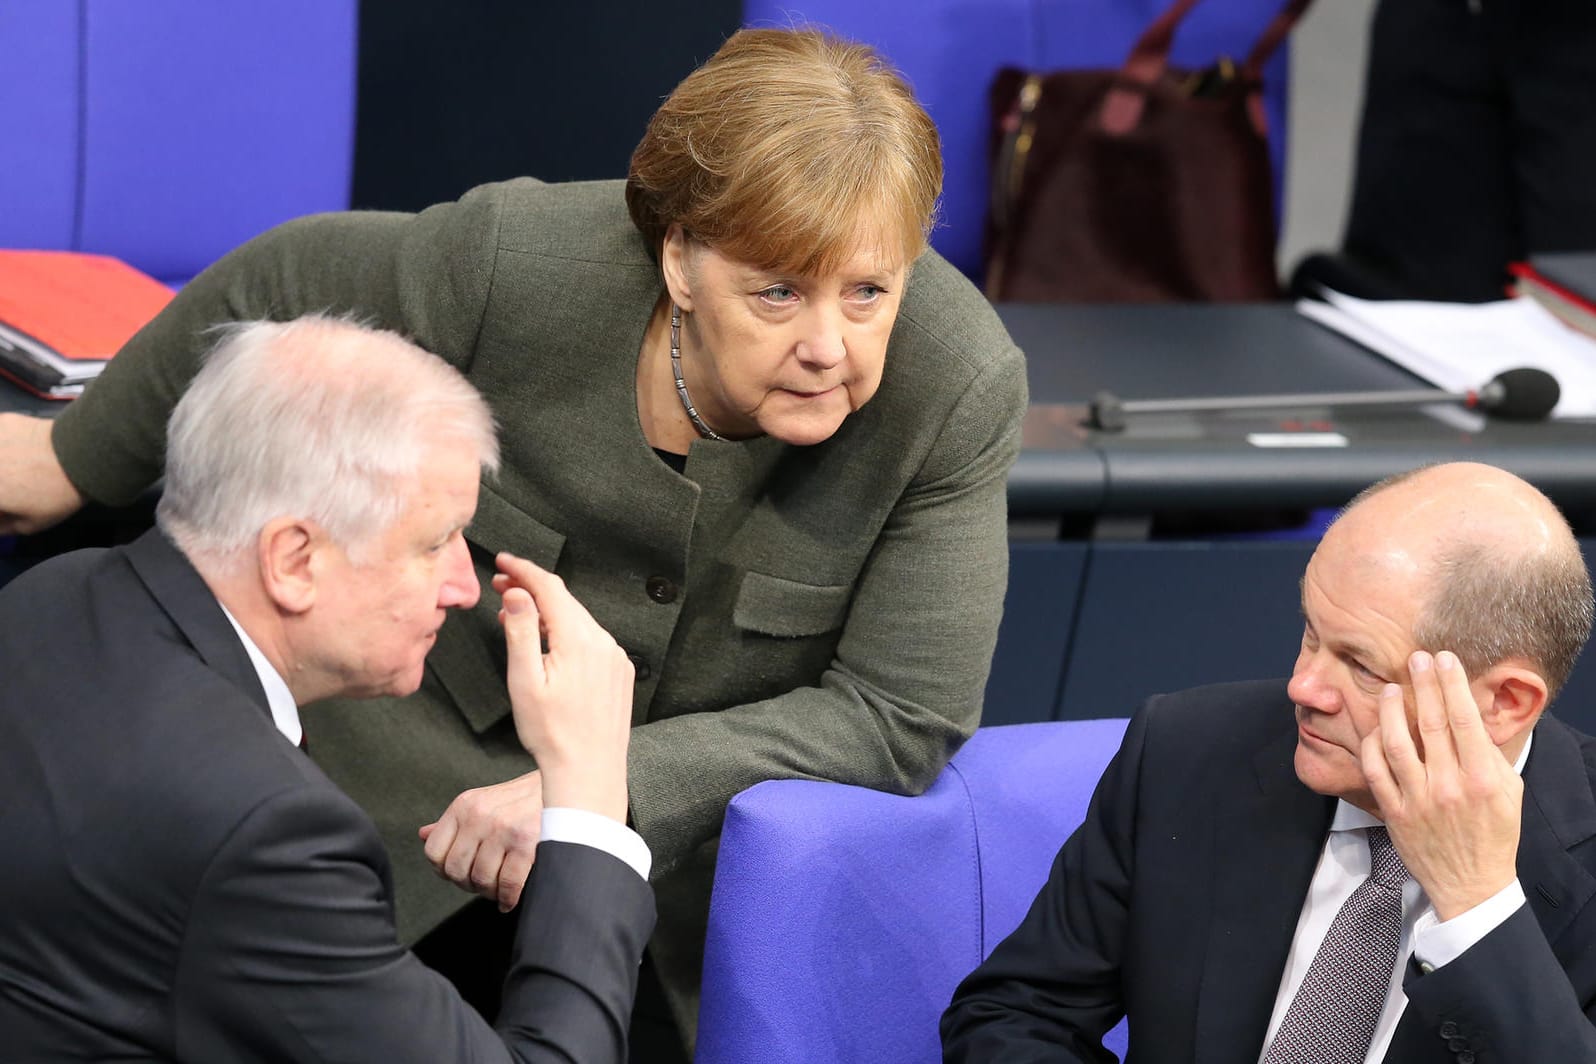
(1563, 283)
(64, 314)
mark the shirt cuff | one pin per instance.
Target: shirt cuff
(1436, 944)
(587, 828)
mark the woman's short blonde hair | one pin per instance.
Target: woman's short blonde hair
(790, 149)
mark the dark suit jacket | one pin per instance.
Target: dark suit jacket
(1176, 901)
(183, 884)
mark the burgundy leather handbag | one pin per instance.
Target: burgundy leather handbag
(1142, 184)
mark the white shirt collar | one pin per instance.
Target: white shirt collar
(285, 713)
(1350, 818)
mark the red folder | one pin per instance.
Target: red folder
(80, 306)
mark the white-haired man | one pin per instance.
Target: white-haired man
(184, 883)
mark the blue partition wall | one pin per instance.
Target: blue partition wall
(167, 132)
(1093, 629)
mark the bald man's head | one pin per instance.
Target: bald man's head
(1497, 573)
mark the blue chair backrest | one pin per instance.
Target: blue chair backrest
(167, 132)
(951, 49)
(843, 918)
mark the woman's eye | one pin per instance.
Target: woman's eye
(778, 293)
(869, 293)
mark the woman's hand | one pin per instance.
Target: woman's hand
(34, 490)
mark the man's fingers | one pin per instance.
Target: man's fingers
(1377, 771)
(458, 861)
(562, 613)
(513, 875)
(439, 840)
(1397, 744)
(1475, 750)
(1435, 732)
(1399, 758)
(521, 633)
(483, 878)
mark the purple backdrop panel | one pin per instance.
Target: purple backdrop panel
(208, 123)
(39, 123)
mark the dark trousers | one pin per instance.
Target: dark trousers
(472, 949)
(1478, 142)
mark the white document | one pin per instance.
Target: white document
(1461, 346)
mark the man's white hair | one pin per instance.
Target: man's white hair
(319, 418)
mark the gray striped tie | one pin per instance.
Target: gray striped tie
(1333, 1016)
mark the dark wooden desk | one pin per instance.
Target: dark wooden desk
(1184, 462)
(1126, 575)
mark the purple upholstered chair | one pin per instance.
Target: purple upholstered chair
(843, 918)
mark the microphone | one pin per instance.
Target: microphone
(1522, 394)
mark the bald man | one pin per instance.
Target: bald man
(1442, 612)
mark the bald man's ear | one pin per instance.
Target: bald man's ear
(675, 264)
(1514, 695)
(287, 552)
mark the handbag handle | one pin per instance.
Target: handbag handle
(1122, 107)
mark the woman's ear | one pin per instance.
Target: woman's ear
(674, 260)
(287, 551)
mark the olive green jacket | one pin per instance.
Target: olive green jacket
(824, 612)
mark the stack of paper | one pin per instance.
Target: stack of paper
(1461, 346)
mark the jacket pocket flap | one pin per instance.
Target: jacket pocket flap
(775, 605)
(500, 526)
(471, 669)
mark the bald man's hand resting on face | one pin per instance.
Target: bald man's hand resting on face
(1452, 803)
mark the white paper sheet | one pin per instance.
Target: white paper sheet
(1461, 346)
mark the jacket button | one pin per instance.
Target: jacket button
(1457, 1045)
(641, 670)
(1448, 1029)
(661, 590)
(1466, 1057)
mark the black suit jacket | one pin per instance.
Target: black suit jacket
(1176, 900)
(181, 883)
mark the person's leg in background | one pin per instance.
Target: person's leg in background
(1434, 204)
(1550, 55)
